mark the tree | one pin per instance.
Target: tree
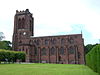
(1, 36)
(7, 45)
(89, 47)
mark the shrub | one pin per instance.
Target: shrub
(11, 56)
(93, 58)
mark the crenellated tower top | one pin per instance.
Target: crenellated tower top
(23, 12)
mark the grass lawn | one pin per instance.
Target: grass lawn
(45, 69)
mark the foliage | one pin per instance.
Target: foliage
(1, 36)
(45, 69)
(5, 45)
(93, 58)
(20, 56)
(11, 56)
(89, 47)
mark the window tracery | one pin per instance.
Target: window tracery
(61, 50)
(71, 50)
(62, 41)
(43, 51)
(46, 42)
(52, 51)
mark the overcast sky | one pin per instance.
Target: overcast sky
(55, 17)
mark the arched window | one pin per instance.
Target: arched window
(43, 51)
(52, 51)
(79, 54)
(23, 23)
(71, 40)
(37, 42)
(62, 41)
(71, 50)
(19, 23)
(34, 41)
(53, 41)
(46, 42)
(35, 51)
(61, 51)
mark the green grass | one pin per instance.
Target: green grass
(45, 69)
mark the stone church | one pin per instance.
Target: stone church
(62, 49)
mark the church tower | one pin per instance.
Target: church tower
(23, 29)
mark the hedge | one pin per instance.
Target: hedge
(93, 59)
(11, 56)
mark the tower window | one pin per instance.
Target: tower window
(21, 23)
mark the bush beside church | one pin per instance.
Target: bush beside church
(11, 56)
(93, 58)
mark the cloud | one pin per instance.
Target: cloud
(53, 17)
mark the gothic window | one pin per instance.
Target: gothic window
(71, 40)
(34, 41)
(71, 50)
(43, 51)
(23, 22)
(62, 41)
(61, 51)
(79, 54)
(53, 41)
(35, 50)
(19, 23)
(52, 51)
(37, 42)
(46, 42)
